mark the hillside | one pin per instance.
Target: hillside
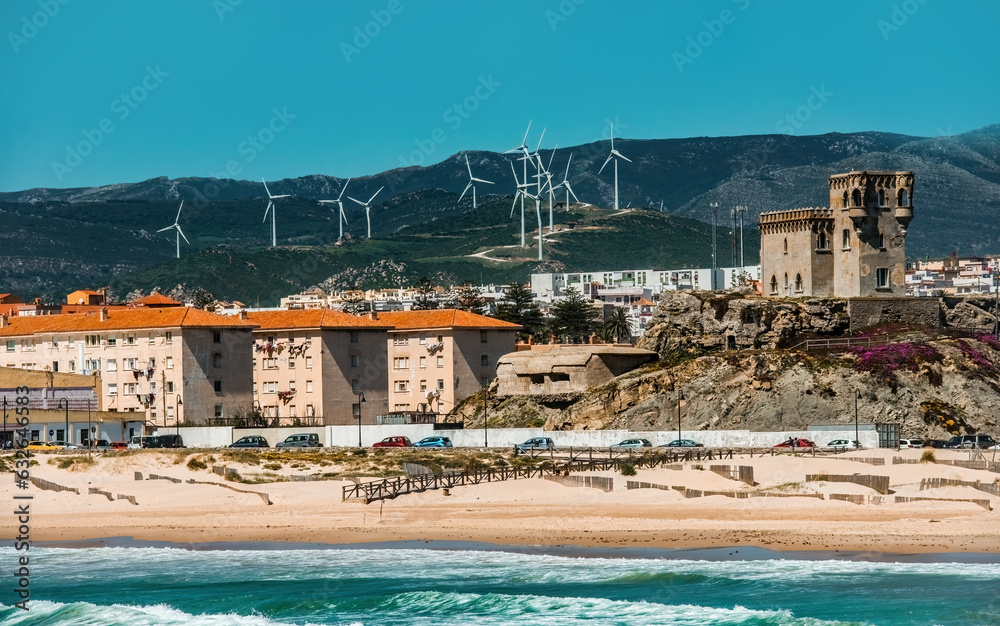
(59, 238)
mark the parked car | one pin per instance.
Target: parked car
(306, 440)
(100, 444)
(119, 445)
(250, 441)
(794, 442)
(66, 445)
(911, 443)
(394, 442)
(433, 442)
(164, 441)
(971, 441)
(683, 443)
(844, 443)
(535, 443)
(633, 444)
(41, 446)
(935, 443)
(137, 442)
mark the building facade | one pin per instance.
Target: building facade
(171, 365)
(853, 248)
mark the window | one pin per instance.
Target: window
(131, 388)
(27, 345)
(309, 386)
(786, 282)
(216, 359)
(170, 362)
(856, 197)
(402, 385)
(291, 364)
(11, 346)
(168, 336)
(291, 411)
(218, 386)
(845, 242)
(130, 339)
(774, 285)
(271, 387)
(483, 336)
(400, 341)
(423, 341)
(401, 363)
(130, 364)
(423, 362)
(821, 240)
(484, 360)
(218, 411)
(882, 278)
(309, 362)
(483, 381)
(845, 199)
(152, 387)
(440, 384)
(310, 410)
(170, 386)
(904, 200)
(880, 241)
(112, 365)
(440, 361)
(354, 336)
(355, 360)
(217, 337)
(291, 385)
(786, 245)
(270, 364)
(152, 338)
(440, 338)
(170, 412)
(152, 362)
(93, 365)
(91, 340)
(402, 407)
(355, 385)
(881, 197)
(112, 341)
(112, 389)
(798, 282)
(423, 385)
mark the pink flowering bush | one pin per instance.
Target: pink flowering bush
(975, 356)
(884, 361)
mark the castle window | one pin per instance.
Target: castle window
(881, 197)
(846, 243)
(798, 282)
(774, 285)
(786, 282)
(856, 197)
(845, 199)
(821, 241)
(786, 245)
(904, 199)
(882, 278)
(880, 241)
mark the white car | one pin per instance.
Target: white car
(843, 443)
(135, 443)
(911, 443)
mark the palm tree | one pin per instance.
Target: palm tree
(619, 325)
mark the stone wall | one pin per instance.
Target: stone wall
(868, 312)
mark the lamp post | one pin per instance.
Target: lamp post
(486, 420)
(715, 224)
(857, 394)
(5, 425)
(177, 418)
(69, 439)
(361, 398)
(680, 397)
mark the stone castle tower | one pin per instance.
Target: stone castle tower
(854, 248)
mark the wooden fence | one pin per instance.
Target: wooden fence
(95, 490)
(988, 466)
(742, 473)
(931, 483)
(48, 485)
(603, 483)
(878, 483)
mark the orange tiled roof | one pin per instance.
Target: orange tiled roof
(644, 302)
(442, 318)
(121, 319)
(313, 318)
(156, 299)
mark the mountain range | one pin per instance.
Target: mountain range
(58, 238)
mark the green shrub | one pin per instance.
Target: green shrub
(626, 469)
(196, 463)
(928, 457)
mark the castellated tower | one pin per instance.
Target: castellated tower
(854, 248)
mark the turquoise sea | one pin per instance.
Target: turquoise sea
(397, 585)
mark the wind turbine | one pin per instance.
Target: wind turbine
(177, 227)
(614, 155)
(565, 183)
(525, 155)
(472, 183)
(547, 173)
(522, 191)
(368, 209)
(342, 219)
(274, 210)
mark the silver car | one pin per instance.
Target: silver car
(307, 440)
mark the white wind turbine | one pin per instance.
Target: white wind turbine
(342, 219)
(525, 155)
(472, 183)
(522, 191)
(565, 183)
(547, 173)
(368, 209)
(614, 155)
(274, 210)
(176, 226)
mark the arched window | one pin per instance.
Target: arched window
(786, 245)
(845, 199)
(821, 240)
(904, 199)
(798, 282)
(846, 243)
(856, 197)
(774, 284)
(786, 282)
(881, 197)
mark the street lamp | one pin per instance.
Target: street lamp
(361, 398)
(680, 397)
(857, 394)
(69, 439)
(486, 420)
(5, 425)
(177, 418)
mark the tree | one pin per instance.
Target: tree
(575, 317)
(352, 302)
(426, 296)
(519, 307)
(619, 325)
(468, 297)
(203, 299)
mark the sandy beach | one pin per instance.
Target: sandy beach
(533, 511)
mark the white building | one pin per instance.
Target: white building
(550, 287)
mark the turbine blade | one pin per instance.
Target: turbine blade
(566, 175)
(375, 194)
(179, 212)
(570, 189)
(287, 195)
(480, 180)
(610, 156)
(514, 172)
(624, 157)
(552, 156)
(612, 135)
(356, 200)
(342, 214)
(464, 192)
(524, 141)
(182, 235)
(467, 166)
(344, 189)
(167, 228)
(265, 188)
(269, 203)
(514, 204)
(540, 140)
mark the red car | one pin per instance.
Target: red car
(793, 442)
(119, 445)
(394, 442)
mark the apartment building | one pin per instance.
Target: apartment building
(170, 364)
(439, 357)
(318, 363)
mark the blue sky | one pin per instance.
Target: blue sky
(283, 89)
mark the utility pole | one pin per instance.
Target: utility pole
(743, 213)
(715, 250)
(163, 390)
(733, 238)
